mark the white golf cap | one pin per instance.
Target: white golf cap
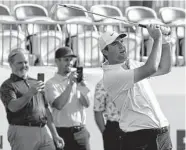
(108, 37)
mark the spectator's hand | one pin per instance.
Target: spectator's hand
(37, 87)
(59, 142)
(73, 77)
(154, 31)
(82, 87)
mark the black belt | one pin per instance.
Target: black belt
(114, 125)
(72, 129)
(158, 130)
(30, 124)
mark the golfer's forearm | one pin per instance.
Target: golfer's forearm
(155, 56)
(166, 58)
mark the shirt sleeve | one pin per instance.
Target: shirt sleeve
(51, 93)
(7, 94)
(115, 81)
(99, 98)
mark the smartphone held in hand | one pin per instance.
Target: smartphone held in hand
(79, 74)
(41, 77)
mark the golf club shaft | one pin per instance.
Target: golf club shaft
(126, 21)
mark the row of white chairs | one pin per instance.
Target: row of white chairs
(85, 43)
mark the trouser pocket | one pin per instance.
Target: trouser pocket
(12, 130)
(111, 140)
(164, 141)
(82, 139)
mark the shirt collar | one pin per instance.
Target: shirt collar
(60, 77)
(15, 77)
(106, 65)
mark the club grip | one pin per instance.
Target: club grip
(164, 32)
(142, 25)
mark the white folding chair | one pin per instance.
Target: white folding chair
(85, 45)
(143, 15)
(83, 38)
(37, 24)
(4, 10)
(8, 23)
(46, 38)
(80, 34)
(117, 26)
(60, 13)
(45, 45)
(27, 10)
(11, 37)
(110, 11)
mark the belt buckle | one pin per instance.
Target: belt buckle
(164, 129)
(77, 128)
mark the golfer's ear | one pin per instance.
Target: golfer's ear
(105, 52)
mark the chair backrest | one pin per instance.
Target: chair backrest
(24, 11)
(106, 10)
(138, 13)
(4, 10)
(170, 14)
(61, 13)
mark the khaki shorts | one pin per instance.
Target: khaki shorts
(30, 138)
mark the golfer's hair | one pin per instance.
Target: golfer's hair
(106, 49)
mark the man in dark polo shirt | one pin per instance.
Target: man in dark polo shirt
(27, 110)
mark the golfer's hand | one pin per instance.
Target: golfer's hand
(154, 31)
(165, 30)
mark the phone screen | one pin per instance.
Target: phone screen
(79, 74)
(41, 77)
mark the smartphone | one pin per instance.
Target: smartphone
(79, 74)
(41, 77)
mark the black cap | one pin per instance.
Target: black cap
(64, 52)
